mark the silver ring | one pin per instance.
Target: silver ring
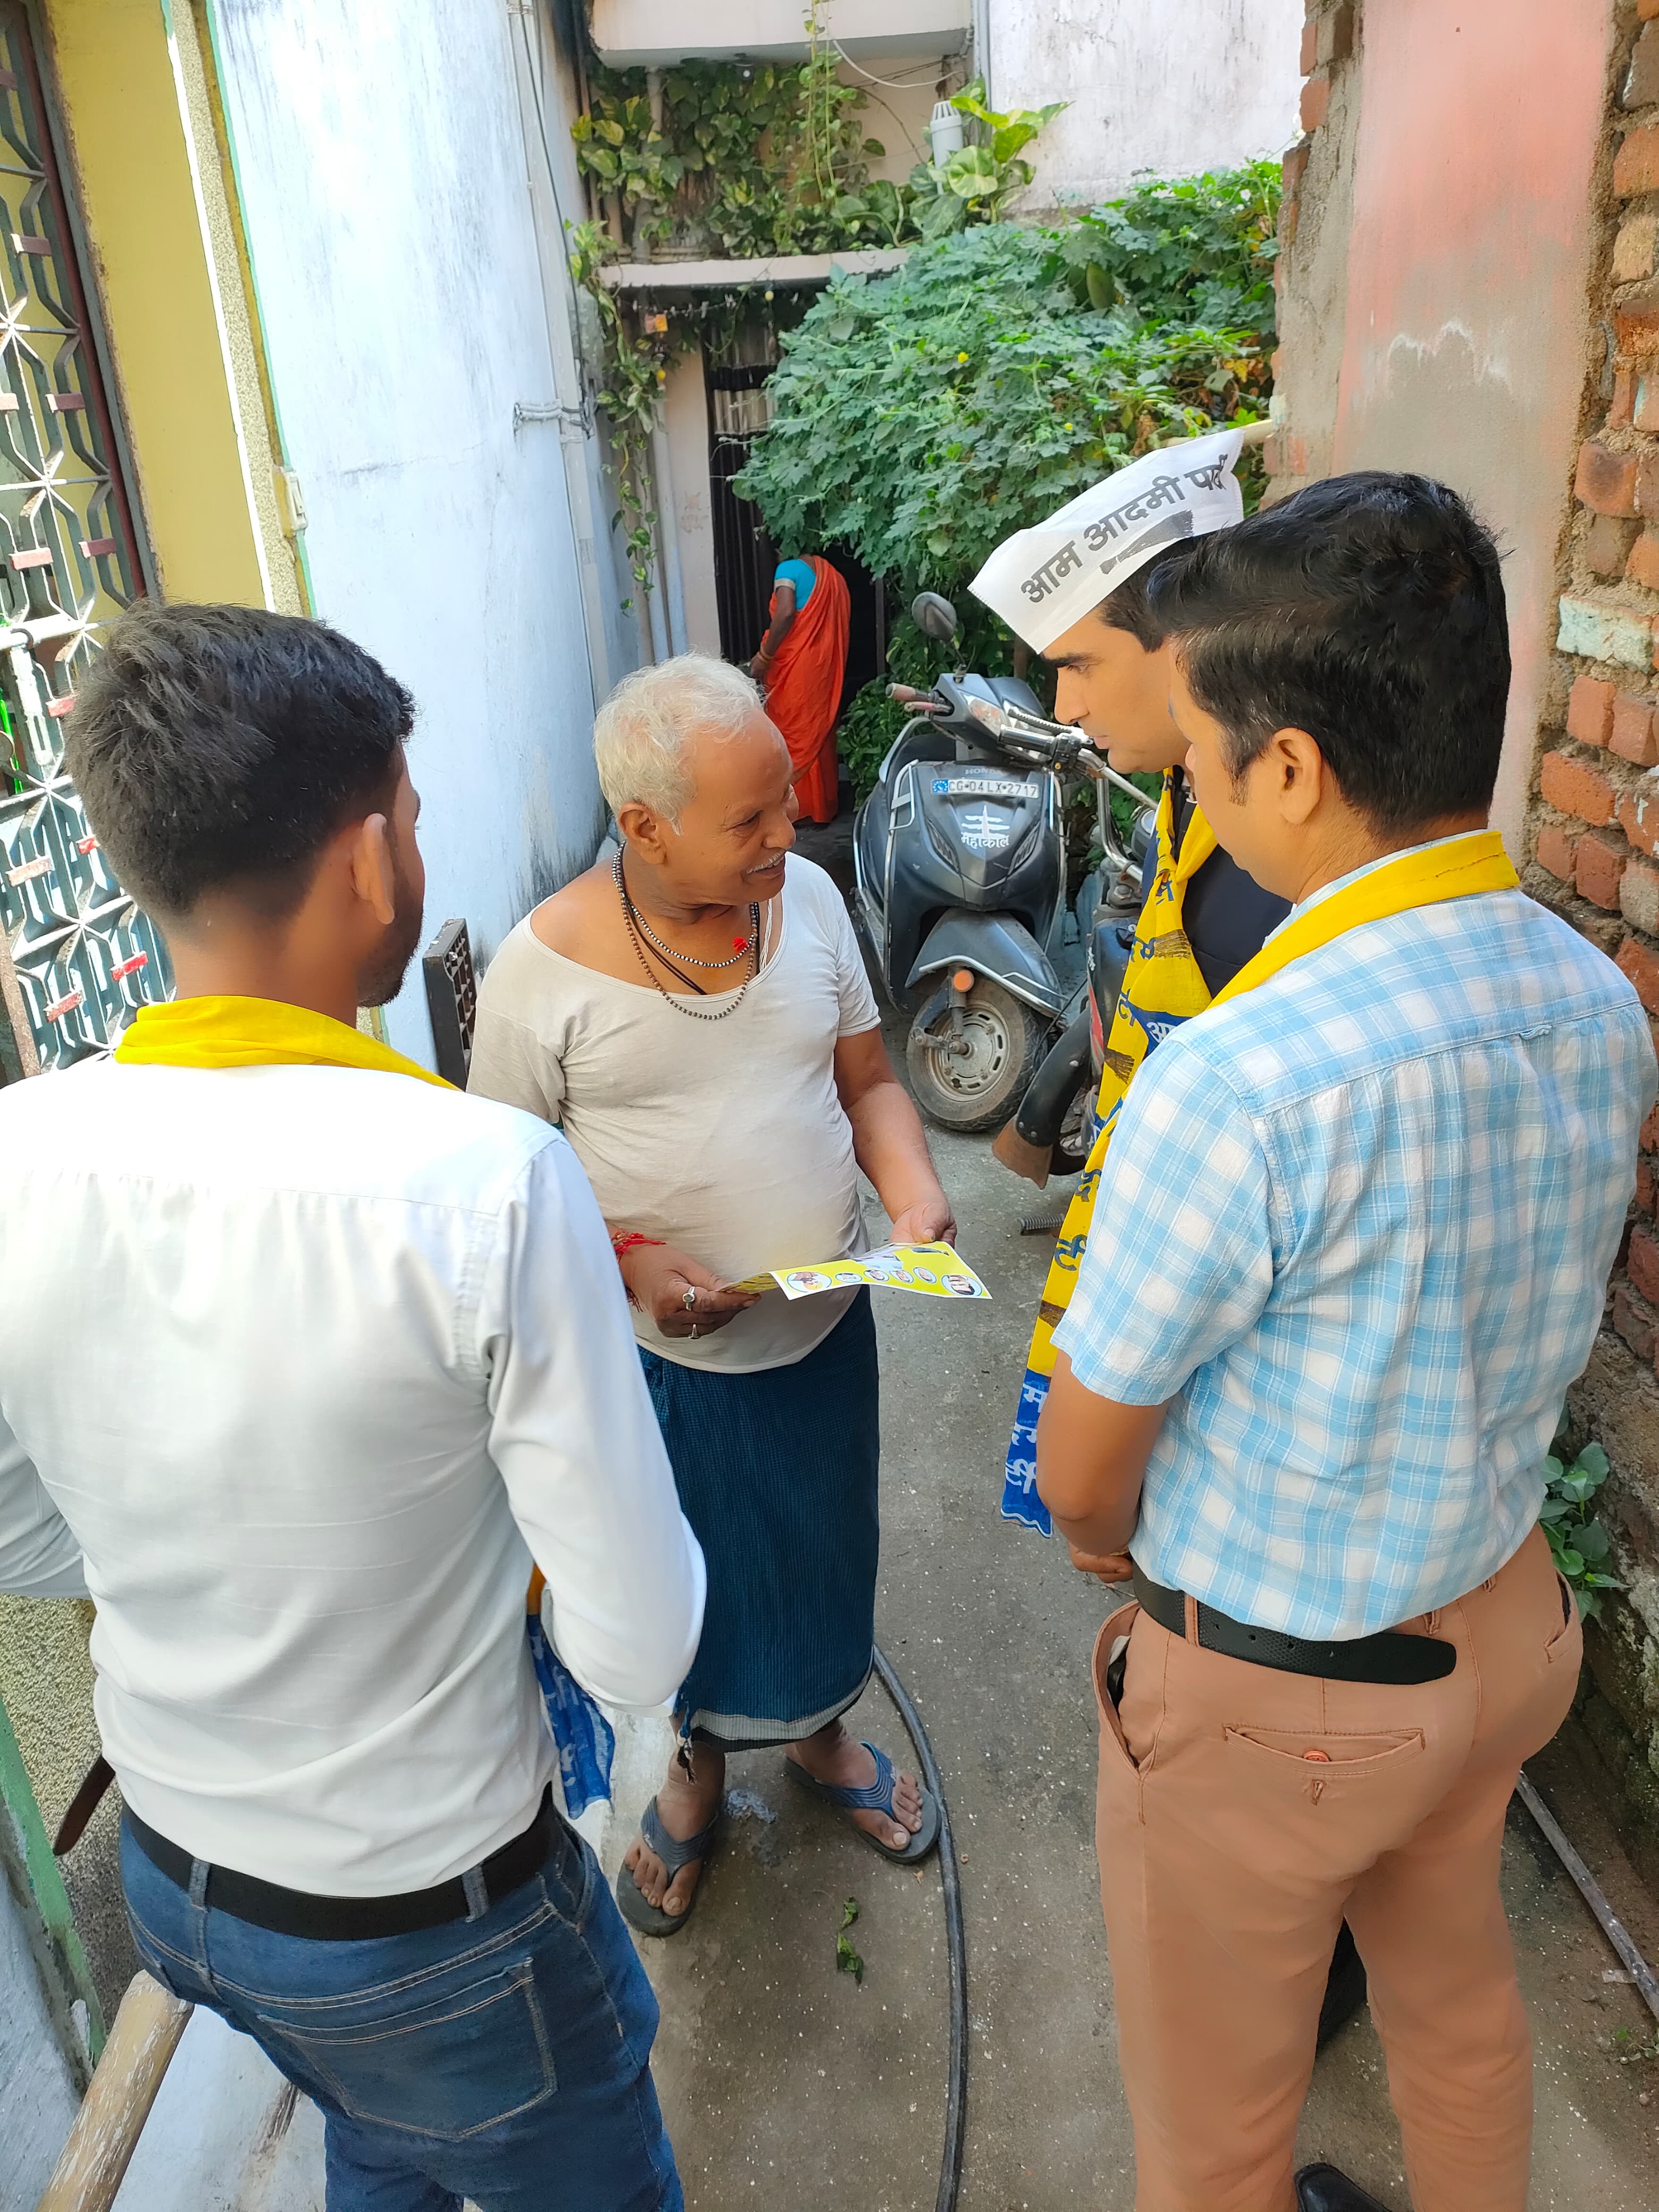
(689, 1298)
(694, 1331)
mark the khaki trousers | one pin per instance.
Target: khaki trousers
(1243, 1813)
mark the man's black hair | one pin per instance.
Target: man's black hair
(221, 748)
(1130, 606)
(1369, 612)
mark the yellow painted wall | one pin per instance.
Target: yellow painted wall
(165, 245)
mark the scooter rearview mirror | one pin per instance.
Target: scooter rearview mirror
(934, 617)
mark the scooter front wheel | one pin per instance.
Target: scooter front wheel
(973, 1079)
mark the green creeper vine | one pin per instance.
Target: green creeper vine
(1578, 1543)
(749, 161)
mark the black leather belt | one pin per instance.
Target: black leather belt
(355, 1919)
(1387, 1658)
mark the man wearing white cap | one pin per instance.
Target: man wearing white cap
(1076, 589)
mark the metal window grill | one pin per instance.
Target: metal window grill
(451, 1001)
(77, 956)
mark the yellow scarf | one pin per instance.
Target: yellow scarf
(255, 1033)
(1163, 988)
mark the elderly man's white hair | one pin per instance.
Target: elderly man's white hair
(644, 730)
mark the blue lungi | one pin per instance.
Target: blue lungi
(778, 1474)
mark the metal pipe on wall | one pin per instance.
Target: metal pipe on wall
(559, 302)
(668, 535)
(982, 48)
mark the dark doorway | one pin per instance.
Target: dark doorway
(744, 557)
(740, 407)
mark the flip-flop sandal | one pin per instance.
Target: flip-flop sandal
(876, 1796)
(636, 1907)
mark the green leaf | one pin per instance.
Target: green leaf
(1553, 1470)
(971, 171)
(1593, 1462)
(849, 1912)
(1592, 1542)
(847, 1960)
(946, 214)
(1571, 1563)
(939, 542)
(1007, 142)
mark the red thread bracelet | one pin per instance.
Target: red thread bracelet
(628, 1243)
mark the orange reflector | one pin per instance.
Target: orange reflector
(1323, 1757)
(962, 979)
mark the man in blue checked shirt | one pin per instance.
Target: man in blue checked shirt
(1350, 1250)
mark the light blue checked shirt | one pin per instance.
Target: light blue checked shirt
(1357, 1225)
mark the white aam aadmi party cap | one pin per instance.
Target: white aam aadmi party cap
(1042, 580)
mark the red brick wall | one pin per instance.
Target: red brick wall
(1593, 854)
(1593, 832)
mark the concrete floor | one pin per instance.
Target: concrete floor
(786, 2083)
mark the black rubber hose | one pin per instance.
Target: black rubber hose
(956, 2102)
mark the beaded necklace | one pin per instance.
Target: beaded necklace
(635, 923)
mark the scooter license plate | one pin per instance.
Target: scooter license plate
(985, 787)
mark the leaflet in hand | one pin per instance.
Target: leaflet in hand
(935, 1270)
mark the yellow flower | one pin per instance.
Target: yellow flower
(1067, 426)
(962, 357)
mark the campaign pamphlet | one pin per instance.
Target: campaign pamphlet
(934, 1270)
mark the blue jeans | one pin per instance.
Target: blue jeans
(504, 2059)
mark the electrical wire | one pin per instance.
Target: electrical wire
(955, 2102)
(893, 83)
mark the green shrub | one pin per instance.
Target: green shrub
(919, 418)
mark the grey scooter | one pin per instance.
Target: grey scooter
(959, 857)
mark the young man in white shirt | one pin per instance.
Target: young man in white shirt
(306, 1357)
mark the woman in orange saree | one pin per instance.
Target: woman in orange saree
(802, 661)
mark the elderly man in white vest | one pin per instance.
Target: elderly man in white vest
(694, 1015)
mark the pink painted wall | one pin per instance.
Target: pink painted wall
(1468, 259)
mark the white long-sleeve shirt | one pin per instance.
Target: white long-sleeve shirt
(299, 1367)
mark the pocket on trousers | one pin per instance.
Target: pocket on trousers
(1319, 1758)
(449, 2068)
(1109, 1681)
(1568, 1638)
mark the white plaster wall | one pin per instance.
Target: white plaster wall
(642, 33)
(685, 418)
(384, 183)
(1171, 87)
